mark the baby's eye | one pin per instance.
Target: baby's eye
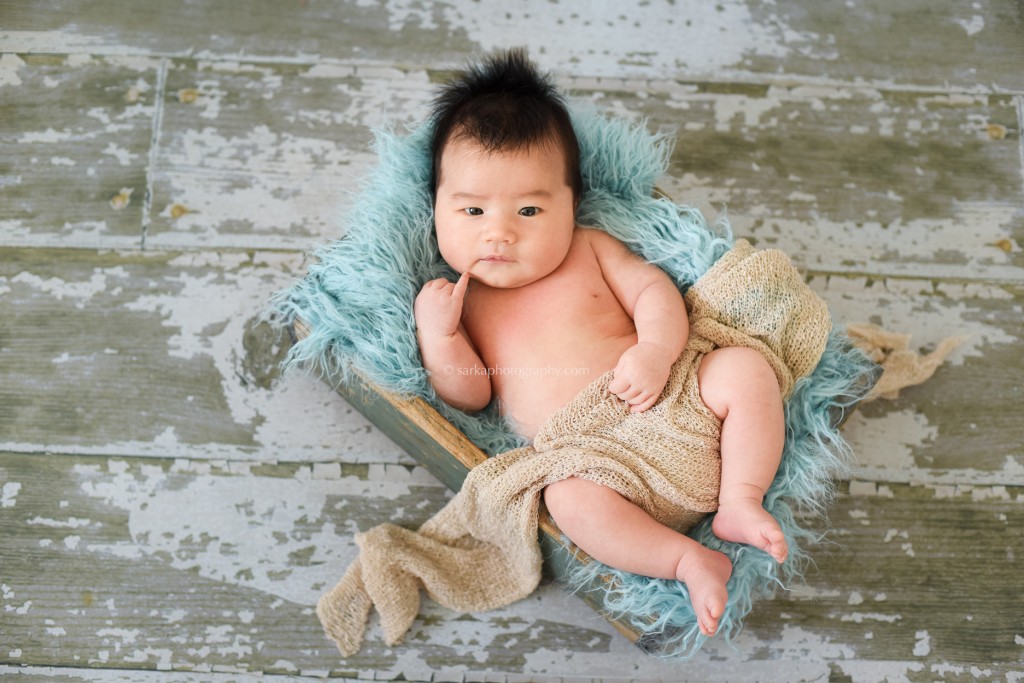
(529, 211)
(474, 211)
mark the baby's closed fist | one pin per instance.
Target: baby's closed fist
(640, 375)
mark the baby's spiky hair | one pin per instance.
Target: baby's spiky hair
(504, 104)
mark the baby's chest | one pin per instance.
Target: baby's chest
(543, 318)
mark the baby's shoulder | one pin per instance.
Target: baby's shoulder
(598, 241)
(592, 236)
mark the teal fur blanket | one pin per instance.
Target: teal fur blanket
(357, 300)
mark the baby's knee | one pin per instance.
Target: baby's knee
(569, 498)
(727, 373)
(562, 495)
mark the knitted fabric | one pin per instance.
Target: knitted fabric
(481, 550)
(901, 366)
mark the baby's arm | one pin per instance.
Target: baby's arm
(659, 314)
(457, 373)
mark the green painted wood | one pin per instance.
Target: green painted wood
(942, 44)
(160, 353)
(142, 564)
(264, 154)
(74, 147)
(848, 179)
(255, 155)
(961, 426)
(35, 674)
(878, 143)
(915, 571)
(160, 564)
(207, 385)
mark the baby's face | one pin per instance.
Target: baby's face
(507, 218)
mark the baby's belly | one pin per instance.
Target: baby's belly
(530, 392)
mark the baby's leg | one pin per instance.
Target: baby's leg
(739, 386)
(616, 532)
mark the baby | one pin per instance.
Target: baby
(545, 306)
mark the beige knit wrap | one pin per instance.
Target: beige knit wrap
(481, 552)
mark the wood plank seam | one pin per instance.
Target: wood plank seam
(154, 148)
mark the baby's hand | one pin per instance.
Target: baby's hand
(640, 375)
(438, 306)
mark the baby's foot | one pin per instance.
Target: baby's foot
(705, 572)
(744, 520)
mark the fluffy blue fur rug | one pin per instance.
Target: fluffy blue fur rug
(357, 299)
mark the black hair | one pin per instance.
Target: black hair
(505, 104)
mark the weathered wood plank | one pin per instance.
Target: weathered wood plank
(212, 381)
(940, 43)
(264, 155)
(963, 425)
(74, 148)
(221, 565)
(915, 572)
(886, 138)
(49, 674)
(182, 565)
(848, 179)
(825, 173)
(160, 354)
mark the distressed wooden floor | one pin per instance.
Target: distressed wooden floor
(170, 507)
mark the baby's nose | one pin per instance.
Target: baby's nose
(499, 230)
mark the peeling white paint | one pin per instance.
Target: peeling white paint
(9, 495)
(929, 312)
(248, 186)
(881, 672)
(201, 303)
(883, 446)
(705, 39)
(119, 637)
(922, 646)
(894, 533)
(69, 523)
(77, 290)
(973, 26)
(58, 41)
(752, 110)
(47, 136)
(232, 530)
(329, 71)
(990, 493)
(124, 156)
(903, 247)
(163, 657)
(10, 64)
